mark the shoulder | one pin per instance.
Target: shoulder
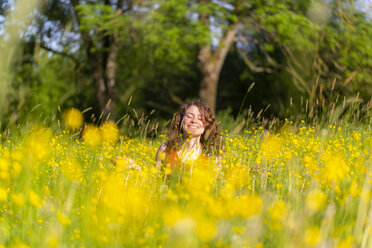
(163, 147)
(160, 154)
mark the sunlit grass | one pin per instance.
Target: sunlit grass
(298, 187)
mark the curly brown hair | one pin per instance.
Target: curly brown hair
(211, 140)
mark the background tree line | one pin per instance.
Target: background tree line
(235, 55)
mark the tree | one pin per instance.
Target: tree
(90, 34)
(166, 52)
(237, 21)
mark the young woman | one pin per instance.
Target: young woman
(193, 136)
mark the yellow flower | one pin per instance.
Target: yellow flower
(63, 219)
(34, 198)
(206, 230)
(4, 174)
(172, 215)
(346, 243)
(246, 206)
(313, 236)
(53, 242)
(18, 199)
(335, 169)
(110, 132)
(21, 245)
(3, 194)
(356, 135)
(123, 164)
(315, 200)
(16, 169)
(37, 144)
(4, 164)
(162, 156)
(73, 118)
(271, 146)
(71, 169)
(92, 135)
(278, 211)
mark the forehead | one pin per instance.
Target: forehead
(193, 110)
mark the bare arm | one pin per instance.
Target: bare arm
(160, 154)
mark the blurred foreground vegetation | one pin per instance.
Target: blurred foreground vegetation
(294, 186)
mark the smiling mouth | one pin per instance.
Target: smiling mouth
(193, 127)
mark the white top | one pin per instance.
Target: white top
(189, 157)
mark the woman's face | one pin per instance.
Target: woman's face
(192, 122)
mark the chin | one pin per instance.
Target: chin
(194, 133)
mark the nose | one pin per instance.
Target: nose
(194, 119)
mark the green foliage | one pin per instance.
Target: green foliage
(40, 93)
(287, 27)
(296, 49)
(98, 17)
(170, 32)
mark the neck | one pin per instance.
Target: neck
(192, 143)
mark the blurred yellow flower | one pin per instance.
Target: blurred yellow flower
(18, 199)
(172, 215)
(123, 201)
(246, 206)
(21, 245)
(110, 132)
(271, 146)
(206, 229)
(34, 199)
(278, 211)
(71, 169)
(92, 135)
(37, 144)
(335, 168)
(315, 200)
(4, 164)
(3, 194)
(63, 219)
(53, 242)
(162, 156)
(356, 135)
(16, 169)
(73, 118)
(312, 236)
(4, 174)
(123, 163)
(346, 243)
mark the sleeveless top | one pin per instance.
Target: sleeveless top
(176, 163)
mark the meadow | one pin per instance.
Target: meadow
(297, 186)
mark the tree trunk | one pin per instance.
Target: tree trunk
(210, 65)
(110, 76)
(99, 81)
(103, 66)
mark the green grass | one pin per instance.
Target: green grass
(300, 186)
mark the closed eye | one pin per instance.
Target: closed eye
(191, 115)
